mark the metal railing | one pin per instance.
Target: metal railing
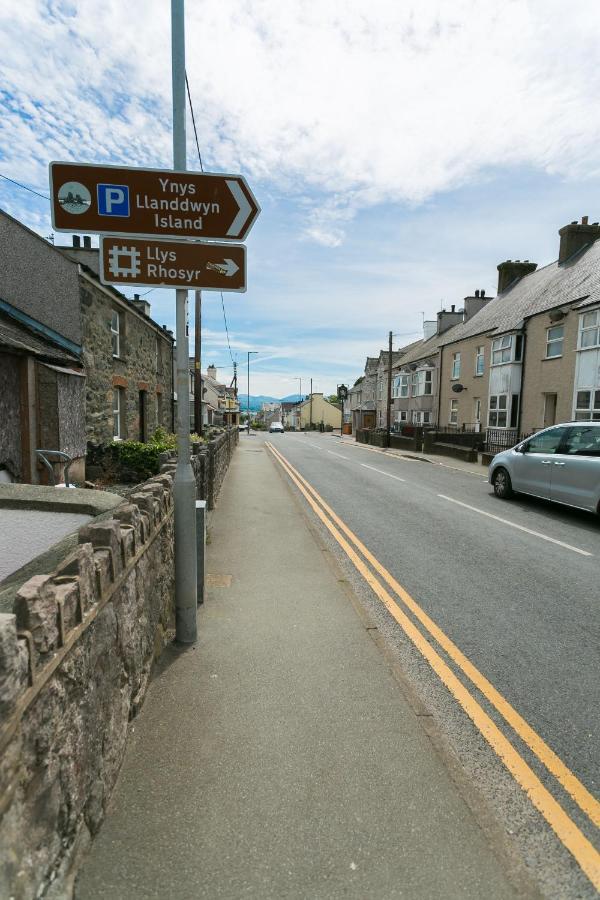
(42, 455)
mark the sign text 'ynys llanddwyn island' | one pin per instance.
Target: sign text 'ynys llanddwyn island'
(153, 202)
(178, 264)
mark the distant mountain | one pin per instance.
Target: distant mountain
(256, 401)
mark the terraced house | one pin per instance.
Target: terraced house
(531, 357)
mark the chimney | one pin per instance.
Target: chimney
(212, 372)
(575, 237)
(429, 329)
(509, 271)
(474, 304)
(141, 305)
(446, 320)
(76, 241)
(87, 242)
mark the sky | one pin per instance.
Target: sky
(399, 150)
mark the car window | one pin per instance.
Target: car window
(583, 440)
(546, 441)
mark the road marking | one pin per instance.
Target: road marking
(337, 454)
(393, 455)
(570, 835)
(543, 537)
(381, 472)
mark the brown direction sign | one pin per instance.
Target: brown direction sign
(153, 202)
(173, 264)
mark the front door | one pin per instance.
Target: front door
(532, 469)
(369, 420)
(549, 410)
(576, 469)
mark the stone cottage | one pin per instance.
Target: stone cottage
(128, 358)
(42, 384)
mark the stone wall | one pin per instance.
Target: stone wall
(209, 463)
(144, 363)
(10, 415)
(75, 658)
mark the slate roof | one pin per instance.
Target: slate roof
(16, 337)
(553, 285)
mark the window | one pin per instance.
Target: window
(115, 332)
(455, 365)
(454, 412)
(400, 386)
(587, 406)
(118, 413)
(589, 330)
(159, 410)
(479, 360)
(476, 410)
(402, 416)
(380, 390)
(158, 355)
(421, 383)
(501, 349)
(583, 440)
(421, 417)
(546, 441)
(554, 341)
(498, 412)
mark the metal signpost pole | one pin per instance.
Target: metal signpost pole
(389, 392)
(250, 352)
(184, 488)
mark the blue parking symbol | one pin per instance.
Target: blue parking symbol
(113, 200)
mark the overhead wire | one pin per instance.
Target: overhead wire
(189, 94)
(24, 186)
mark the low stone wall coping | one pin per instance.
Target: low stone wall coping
(51, 499)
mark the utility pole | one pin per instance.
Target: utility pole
(389, 390)
(235, 390)
(197, 364)
(184, 487)
(299, 378)
(248, 406)
(311, 424)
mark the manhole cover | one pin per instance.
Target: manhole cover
(220, 581)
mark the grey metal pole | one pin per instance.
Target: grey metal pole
(184, 488)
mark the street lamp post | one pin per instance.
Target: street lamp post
(248, 405)
(299, 378)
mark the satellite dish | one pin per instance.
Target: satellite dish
(458, 388)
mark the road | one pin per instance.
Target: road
(513, 586)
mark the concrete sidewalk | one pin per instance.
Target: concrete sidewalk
(448, 462)
(278, 758)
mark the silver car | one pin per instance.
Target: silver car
(561, 463)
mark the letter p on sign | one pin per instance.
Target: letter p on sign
(113, 200)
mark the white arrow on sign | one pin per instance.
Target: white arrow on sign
(245, 210)
(227, 267)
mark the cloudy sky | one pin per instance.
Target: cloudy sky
(399, 149)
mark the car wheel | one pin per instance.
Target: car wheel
(502, 484)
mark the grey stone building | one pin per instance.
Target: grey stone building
(128, 358)
(42, 388)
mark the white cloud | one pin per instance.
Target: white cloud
(347, 103)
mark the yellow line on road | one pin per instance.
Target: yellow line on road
(567, 831)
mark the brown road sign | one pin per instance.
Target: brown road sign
(153, 202)
(173, 264)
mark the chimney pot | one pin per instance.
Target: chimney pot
(136, 296)
(584, 220)
(76, 240)
(482, 292)
(477, 293)
(453, 307)
(574, 222)
(87, 242)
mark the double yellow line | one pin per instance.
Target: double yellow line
(567, 831)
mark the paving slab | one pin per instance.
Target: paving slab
(278, 758)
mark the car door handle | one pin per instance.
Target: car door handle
(559, 464)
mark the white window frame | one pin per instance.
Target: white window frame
(421, 383)
(453, 418)
(498, 410)
(590, 412)
(552, 343)
(477, 410)
(479, 357)
(502, 350)
(592, 328)
(455, 366)
(402, 416)
(117, 413)
(115, 333)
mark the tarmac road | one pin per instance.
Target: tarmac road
(515, 586)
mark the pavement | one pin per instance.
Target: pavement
(284, 756)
